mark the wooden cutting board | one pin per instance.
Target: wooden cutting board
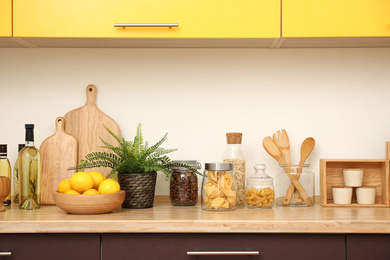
(58, 153)
(86, 124)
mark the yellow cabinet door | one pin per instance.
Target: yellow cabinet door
(5, 18)
(195, 19)
(335, 18)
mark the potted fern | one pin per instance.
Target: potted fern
(136, 165)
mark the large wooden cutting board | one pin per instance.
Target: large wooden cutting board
(86, 124)
(58, 153)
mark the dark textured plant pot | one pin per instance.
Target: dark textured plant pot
(140, 188)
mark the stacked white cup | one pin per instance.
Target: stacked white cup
(353, 178)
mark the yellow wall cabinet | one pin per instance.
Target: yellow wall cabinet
(195, 19)
(336, 18)
(201, 23)
(340, 19)
(5, 18)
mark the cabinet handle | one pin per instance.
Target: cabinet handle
(146, 25)
(223, 253)
(5, 253)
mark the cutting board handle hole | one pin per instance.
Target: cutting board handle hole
(90, 89)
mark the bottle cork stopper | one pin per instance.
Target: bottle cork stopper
(234, 138)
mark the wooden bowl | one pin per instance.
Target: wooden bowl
(89, 204)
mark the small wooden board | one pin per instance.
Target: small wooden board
(58, 152)
(87, 125)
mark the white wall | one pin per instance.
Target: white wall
(338, 96)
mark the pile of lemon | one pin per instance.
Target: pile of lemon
(88, 183)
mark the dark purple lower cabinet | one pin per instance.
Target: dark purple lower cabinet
(368, 247)
(177, 246)
(50, 246)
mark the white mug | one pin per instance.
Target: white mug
(366, 195)
(342, 195)
(353, 177)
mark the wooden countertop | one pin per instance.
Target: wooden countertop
(165, 218)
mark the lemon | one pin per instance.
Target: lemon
(98, 178)
(81, 181)
(109, 186)
(64, 186)
(91, 192)
(72, 192)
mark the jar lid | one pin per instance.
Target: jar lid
(218, 166)
(234, 138)
(260, 176)
(193, 163)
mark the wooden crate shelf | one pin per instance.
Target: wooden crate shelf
(376, 173)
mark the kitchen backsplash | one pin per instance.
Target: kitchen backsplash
(338, 96)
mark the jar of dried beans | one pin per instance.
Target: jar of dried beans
(184, 184)
(219, 187)
(234, 154)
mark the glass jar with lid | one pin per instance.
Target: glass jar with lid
(260, 191)
(287, 194)
(219, 191)
(183, 185)
(234, 154)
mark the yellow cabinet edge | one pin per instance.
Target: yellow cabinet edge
(5, 18)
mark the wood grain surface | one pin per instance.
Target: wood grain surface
(87, 125)
(59, 152)
(165, 218)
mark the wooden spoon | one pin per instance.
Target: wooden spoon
(271, 148)
(306, 149)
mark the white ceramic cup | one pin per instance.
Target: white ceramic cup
(342, 195)
(353, 177)
(366, 195)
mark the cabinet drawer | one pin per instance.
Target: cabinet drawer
(334, 18)
(196, 19)
(5, 18)
(176, 246)
(51, 246)
(363, 247)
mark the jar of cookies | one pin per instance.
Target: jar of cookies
(183, 187)
(260, 191)
(234, 154)
(219, 187)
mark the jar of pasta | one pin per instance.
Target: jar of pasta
(234, 154)
(219, 187)
(183, 187)
(260, 191)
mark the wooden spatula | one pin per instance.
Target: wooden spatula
(283, 143)
(59, 152)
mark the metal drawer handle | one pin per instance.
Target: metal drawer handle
(5, 253)
(146, 25)
(223, 253)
